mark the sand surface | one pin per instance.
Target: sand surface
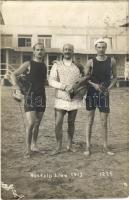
(68, 175)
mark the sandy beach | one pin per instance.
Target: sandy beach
(67, 175)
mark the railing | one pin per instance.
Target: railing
(7, 69)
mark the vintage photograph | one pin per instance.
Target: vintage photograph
(64, 99)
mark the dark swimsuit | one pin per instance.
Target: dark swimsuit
(35, 99)
(101, 74)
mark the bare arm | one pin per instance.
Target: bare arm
(89, 66)
(18, 72)
(114, 74)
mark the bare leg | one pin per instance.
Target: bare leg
(31, 117)
(71, 128)
(104, 117)
(91, 115)
(39, 116)
(59, 116)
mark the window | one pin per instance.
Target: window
(45, 40)
(14, 56)
(51, 59)
(3, 62)
(127, 58)
(24, 40)
(3, 56)
(91, 57)
(26, 57)
(77, 59)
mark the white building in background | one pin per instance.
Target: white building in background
(17, 42)
(126, 25)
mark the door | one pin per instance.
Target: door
(26, 57)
